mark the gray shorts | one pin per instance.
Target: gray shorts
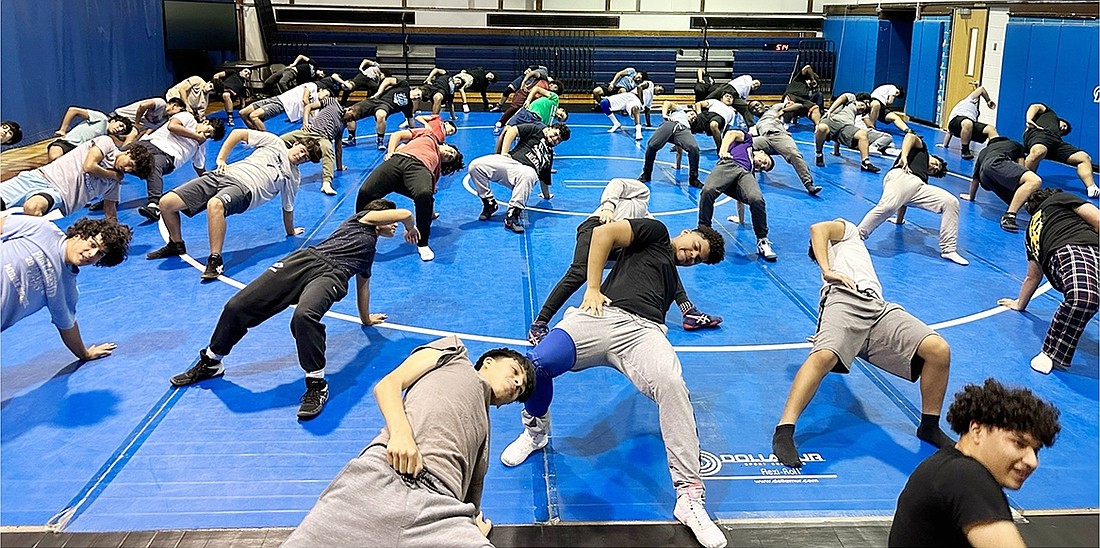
(1002, 177)
(270, 106)
(842, 132)
(195, 193)
(370, 504)
(851, 325)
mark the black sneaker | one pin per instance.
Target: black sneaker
(150, 211)
(170, 249)
(644, 177)
(381, 143)
(207, 368)
(695, 183)
(1008, 222)
(812, 188)
(866, 165)
(819, 160)
(967, 155)
(313, 401)
(350, 141)
(96, 206)
(214, 267)
(511, 221)
(539, 329)
(488, 208)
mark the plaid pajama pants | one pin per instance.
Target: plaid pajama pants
(1075, 276)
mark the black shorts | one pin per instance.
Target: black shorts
(1002, 177)
(195, 193)
(64, 145)
(1057, 149)
(883, 110)
(977, 134)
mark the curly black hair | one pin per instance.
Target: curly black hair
(717, 244)
(1013, 409)
(219, 128)
(380, 204)
(563, 131)
(16, 132)
(528, 369)
(1036, 199)
(449, 167)
(143, 161)
(115, 238)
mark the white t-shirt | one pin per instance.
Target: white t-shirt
(267, 172)
(180, 148)
(152, 119)
(78, 187)
(33, 273)
(886, 93)
(849, 256)
(743, 85)
(725, 111)
(967, 108)
(292, 100)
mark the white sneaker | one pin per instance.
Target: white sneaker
(890, 151)
(1042, 363)
(690, 511)
(519, 450)
(955, 258)
(426, 253)
(615, 128)
(533, 438)
(1094, 191)
(764, 249)
(734, 219)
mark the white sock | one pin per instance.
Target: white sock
(1042, 363)
(315, 374)
(426, 253)
(210, 354)
(954, 257)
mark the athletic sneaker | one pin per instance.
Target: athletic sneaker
(764, 249)
(691, 511)
(170, 249)
(511, 220)
(1008, 222)
(695, 183)
(866, 165)
(812, 188)
(533, 438)
(207, 368)
(214, 267)
(381, 142)
(229, 120)
(96, 206)
(1093, 191)
(313, 401)
(955, 258)
(488, 208)
(819, 160)
(150, 211)
(889, 151)
(538, 330)
(644, 177)
(696, 319)
(497, 128)
(967, 155)
(350, 141)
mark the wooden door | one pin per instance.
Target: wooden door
(964, 64)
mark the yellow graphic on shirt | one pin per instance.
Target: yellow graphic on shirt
(1034, 231)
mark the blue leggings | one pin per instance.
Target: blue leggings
(555, 355)
(605, 106)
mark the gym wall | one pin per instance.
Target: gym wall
(95, 53)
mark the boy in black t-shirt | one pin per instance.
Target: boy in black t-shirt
(392, 96)
(313, 279)
(229, 84)
(955, 497)
(1000, 170)
(532, 159)
(907, 183)
(621, 324)
(1043, 137)
(1061, 243)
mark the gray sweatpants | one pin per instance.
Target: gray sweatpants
(900, 188)
(370, 504)
(639, 349)
(780, 142)
(502, 169)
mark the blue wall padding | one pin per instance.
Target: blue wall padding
(892, 65)
(924, 69)
(95, 53)
(1051, 61)
(856, 41)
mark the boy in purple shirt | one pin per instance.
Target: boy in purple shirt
(733, 175)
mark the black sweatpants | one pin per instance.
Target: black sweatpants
(162, 165)
(408, 177)
(306, 278)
